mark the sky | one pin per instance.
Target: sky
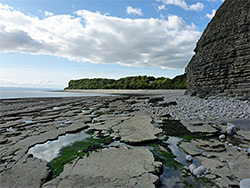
(47, 43)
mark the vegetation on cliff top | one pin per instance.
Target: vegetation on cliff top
(134, 82)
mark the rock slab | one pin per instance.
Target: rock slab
(115, 167)
(138, 129)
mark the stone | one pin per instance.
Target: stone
(248, 151)
(167, 104)
(137, 129)
(239, 148)
(231, 129)
(199, 171)
(229, 163)
(190, 148)
(12, 134)
(220, 65)
(120, 166)
(3, 140)
(27, 172)
(189, 158)
(207, 146)
(198, 127)
(94, 120)
(192, 167)
(222, 137)
(245, 183)
(155, 99)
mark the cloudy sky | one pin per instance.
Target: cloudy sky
(46, 43)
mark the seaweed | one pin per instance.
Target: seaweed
(77, 149)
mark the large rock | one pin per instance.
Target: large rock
(117, 167)
(199, 171)
(137, 129)
(199, 127)
(28, 172)
(231, 129)
(221, 61)
(245, 183)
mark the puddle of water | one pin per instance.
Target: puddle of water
(178, 152)
(63, 122)
(50, 149)
(171, 177)
(117, 143)
(29, 121)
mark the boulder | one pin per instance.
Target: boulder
(245, 183)
(189, 158)
(199, 171)
(231, 129)
(192, 167)
(222, 137)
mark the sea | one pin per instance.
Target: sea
(18, 92)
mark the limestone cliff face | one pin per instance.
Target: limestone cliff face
(221, 64)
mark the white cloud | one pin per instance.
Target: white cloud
(46, 13)
(23, 83)
(97, 38)
(136, 11)
(182, 3)
(210, 16)
(161, 7)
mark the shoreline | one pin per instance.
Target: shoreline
(16, 94)
(128, 92)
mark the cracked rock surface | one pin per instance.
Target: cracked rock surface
(138, 129)
(117, 167)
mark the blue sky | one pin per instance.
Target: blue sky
(46, 43)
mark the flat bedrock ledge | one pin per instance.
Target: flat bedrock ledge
(111, 167)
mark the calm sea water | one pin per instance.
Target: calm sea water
(7, 93)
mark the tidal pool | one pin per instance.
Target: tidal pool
(171, 177)
(50, 149)
(178, 152)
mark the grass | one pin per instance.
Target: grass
(77, 149)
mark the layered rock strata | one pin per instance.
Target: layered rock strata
(221, 64)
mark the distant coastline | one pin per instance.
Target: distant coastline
(130, 83)
(129, 92)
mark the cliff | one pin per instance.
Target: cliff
(221, 64)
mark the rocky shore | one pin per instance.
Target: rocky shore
(129, 141)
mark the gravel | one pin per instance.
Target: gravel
(194, 108)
